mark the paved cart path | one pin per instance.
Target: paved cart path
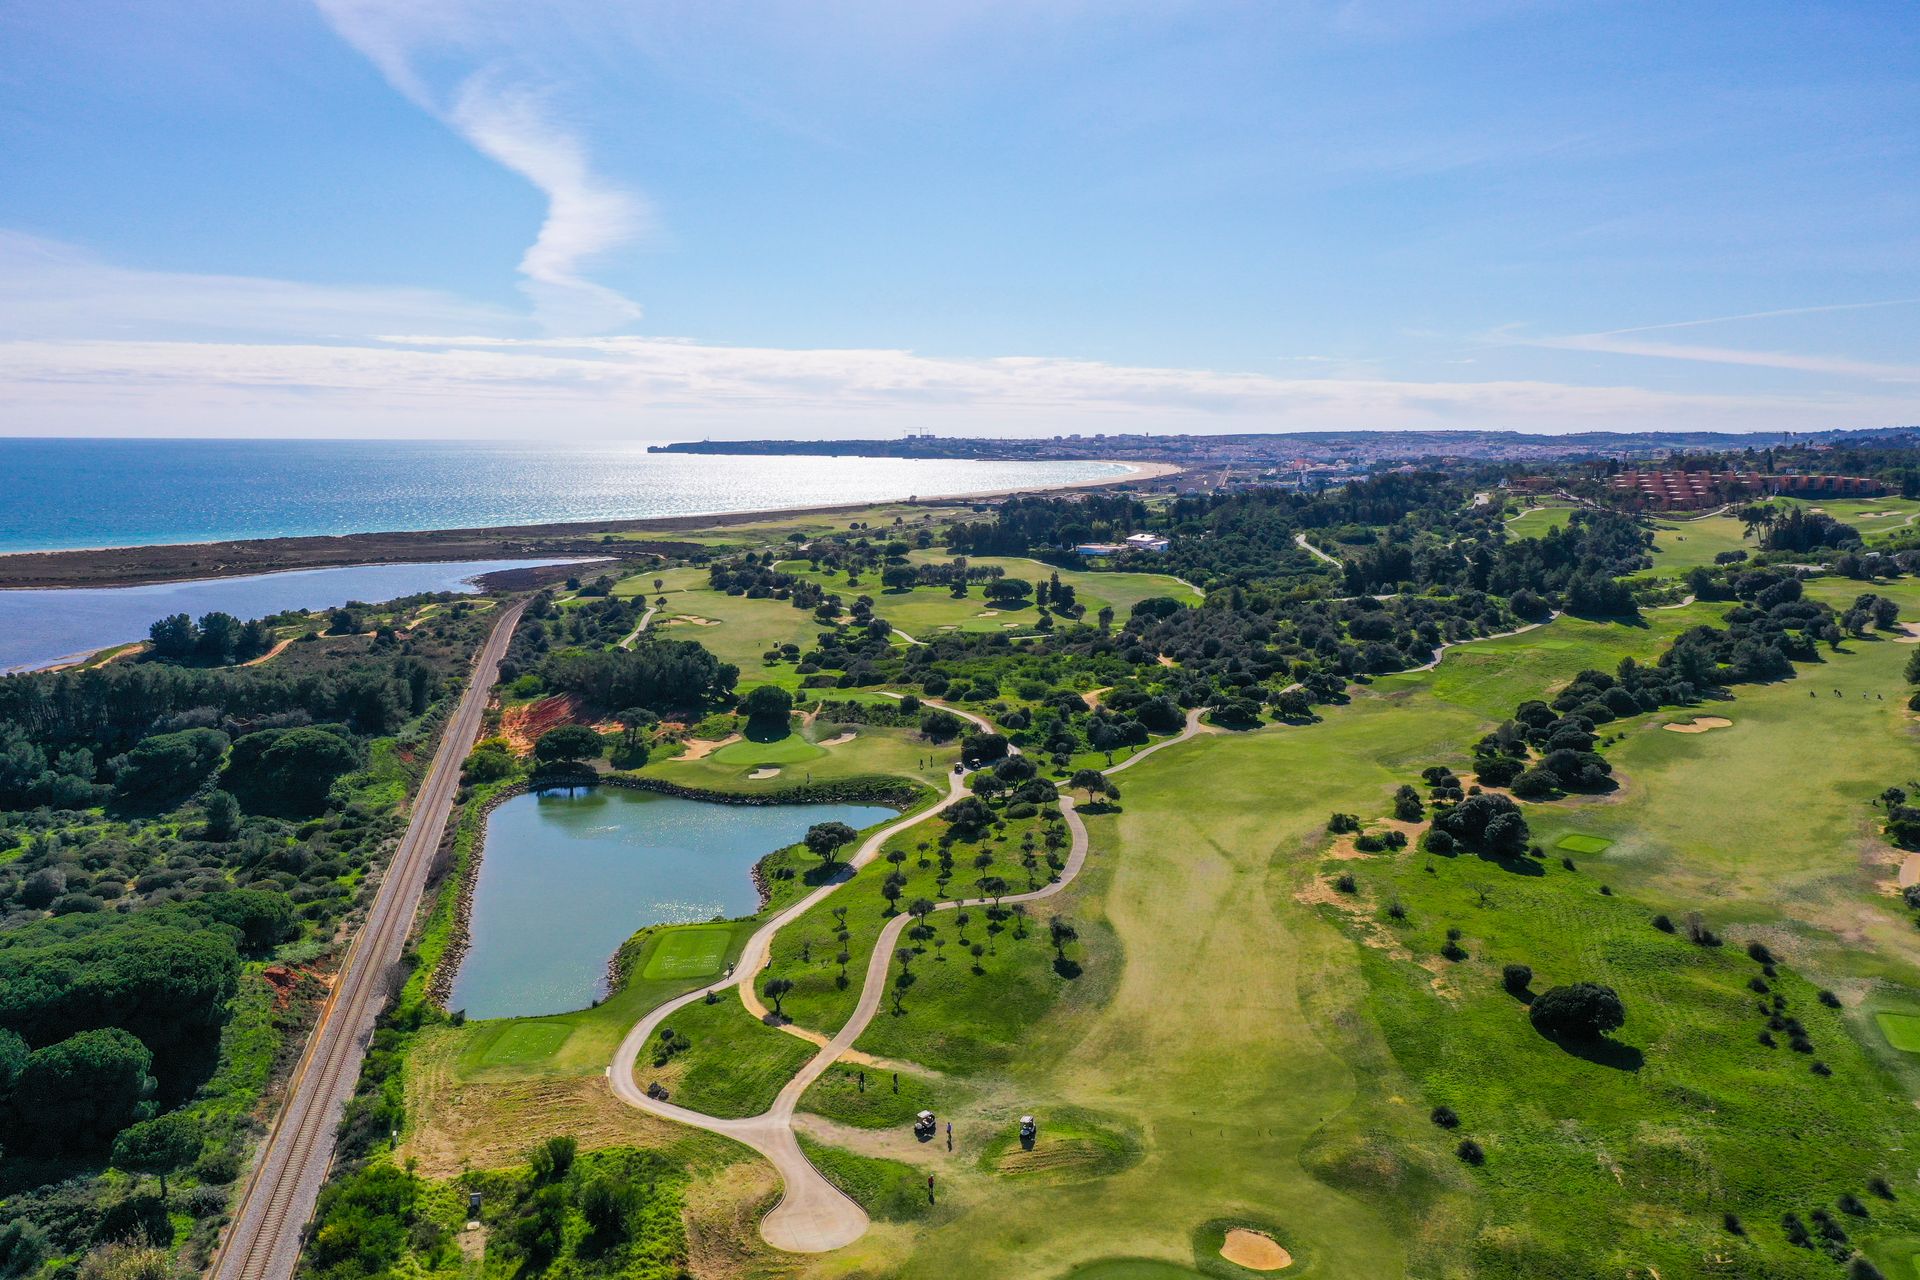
(813, 1215)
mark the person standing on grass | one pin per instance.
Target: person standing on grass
(949, 1135)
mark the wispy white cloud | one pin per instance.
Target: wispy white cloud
(654, 388)
(49, 289)
(1776, 314)
(510, 117)
(1835, 366)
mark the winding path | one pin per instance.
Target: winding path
(813, 1215)
(639, 626)
(1441, 652)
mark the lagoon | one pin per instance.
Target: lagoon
(39, 628)
(566, 877)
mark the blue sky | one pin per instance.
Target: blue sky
(670, 220)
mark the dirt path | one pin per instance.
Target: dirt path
(814, 1216)
(1300, 541)
(278, 649)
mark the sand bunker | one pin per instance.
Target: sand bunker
(1700, 724)
(1254, 1250)
(695, 619)
(764, 771)
(701, 748)
(1909, 633)
(842, 740)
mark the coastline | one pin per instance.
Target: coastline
(196, 561)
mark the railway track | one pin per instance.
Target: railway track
(263, 1242)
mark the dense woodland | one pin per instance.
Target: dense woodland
(169, 823)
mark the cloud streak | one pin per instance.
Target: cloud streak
(656, 388)
(1833, 366)
(513, 122)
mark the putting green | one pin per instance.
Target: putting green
(1902, 1030)
(1574, 842)
(525, 1042)
(788, 750)
(1133, 1269)
(688, 953)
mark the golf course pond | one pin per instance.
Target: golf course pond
(566, 877)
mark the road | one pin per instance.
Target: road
(264, 1240)
(813, 1215)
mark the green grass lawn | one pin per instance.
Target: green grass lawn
(806, 952)
(1680, 545)
(1295, 1087)
(874, 751)
(1576, 842)
(887, 1189)
(791, 749)
(1537, 522)
(1493, 677)
(695, 952)
(1902, 1030)
(922, 611)
(736, 1064)
(869, 1098)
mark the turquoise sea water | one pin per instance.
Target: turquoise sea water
(113, 493)
(566, 878)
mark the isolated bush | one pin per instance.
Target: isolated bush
(1470, 1151)
(1345, 883)
(1516, 977)
(1698, 933)
(1444, 1117)
(1579, 1011)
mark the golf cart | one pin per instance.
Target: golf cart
(924, 1125)
(1028, 1132)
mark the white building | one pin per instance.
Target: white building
(1146, 542)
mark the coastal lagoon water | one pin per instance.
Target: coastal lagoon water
(567, 877)
(41, 627)
(119, 493)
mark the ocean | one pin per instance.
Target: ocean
(109, 493)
